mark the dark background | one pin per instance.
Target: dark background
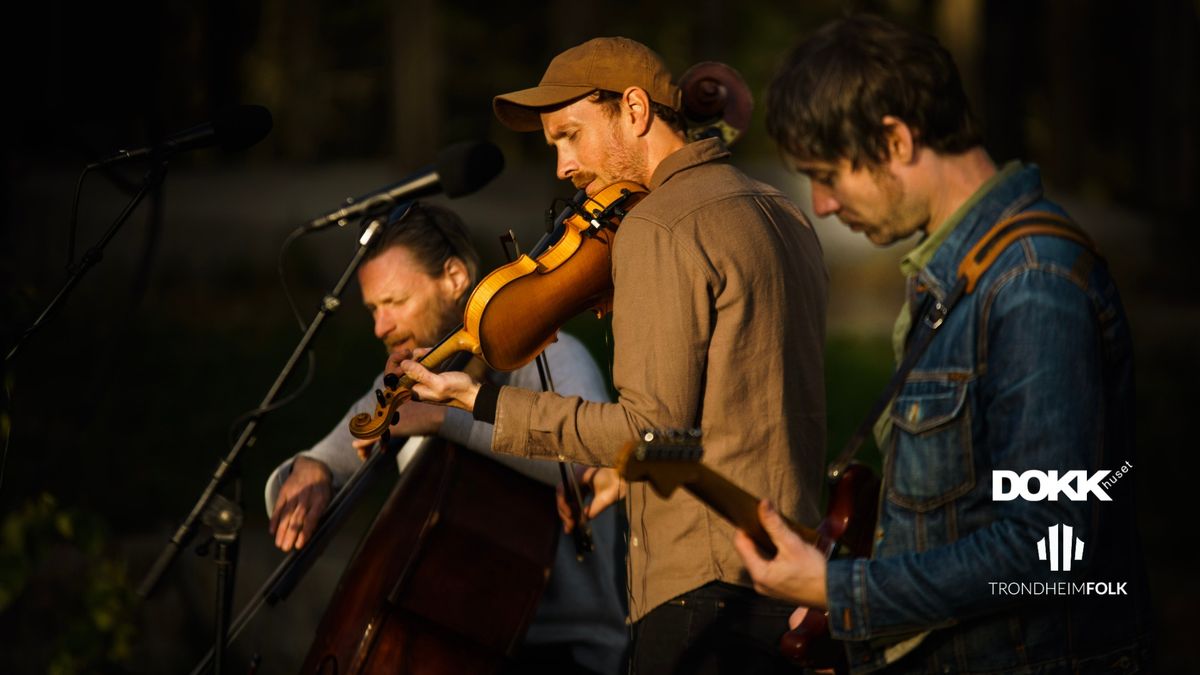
(117, 411)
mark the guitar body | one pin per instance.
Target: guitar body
(850, 525)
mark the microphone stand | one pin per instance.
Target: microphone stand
(296, 564)
(227, 520)
(151, 181)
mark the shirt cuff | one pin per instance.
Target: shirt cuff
(846, 596)
(485, 402)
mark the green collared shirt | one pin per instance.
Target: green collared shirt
(917, 259)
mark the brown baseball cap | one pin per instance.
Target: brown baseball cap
(609, 63)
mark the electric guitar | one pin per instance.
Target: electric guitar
(672, 459)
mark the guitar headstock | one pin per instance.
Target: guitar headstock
(666, 459)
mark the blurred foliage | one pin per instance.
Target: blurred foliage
(856, 369)
(66, 605)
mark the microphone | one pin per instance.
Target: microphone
(460, 169)
(233, 128)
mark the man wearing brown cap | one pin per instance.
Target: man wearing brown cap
(718, 324)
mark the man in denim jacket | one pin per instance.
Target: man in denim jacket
(973, 568)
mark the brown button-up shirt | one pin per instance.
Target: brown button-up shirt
(718, 323)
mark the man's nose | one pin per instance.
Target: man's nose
(567, 166)
(823, 201)
(383, 324)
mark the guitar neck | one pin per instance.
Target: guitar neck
(739, 507)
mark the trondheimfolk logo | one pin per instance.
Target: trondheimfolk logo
(1062, 550)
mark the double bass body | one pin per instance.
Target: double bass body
(449, 575)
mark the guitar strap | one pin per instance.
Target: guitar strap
(934, 312)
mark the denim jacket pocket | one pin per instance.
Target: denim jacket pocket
(931, 460)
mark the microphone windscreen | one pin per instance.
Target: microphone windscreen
(464, 167)
(239, 127)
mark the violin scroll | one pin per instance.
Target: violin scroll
(397, 389)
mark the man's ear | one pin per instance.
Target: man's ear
(635, 108)
(901, 141)
(456, 277)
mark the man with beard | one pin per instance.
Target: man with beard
(415, 283)
(1028, 374)
(718, 324)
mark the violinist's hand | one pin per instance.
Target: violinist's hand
(796, 573)
(300, 503)
(606, 488)
(453, 388)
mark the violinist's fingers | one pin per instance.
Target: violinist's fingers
(451, 388)
(421, 352)
(395, 359)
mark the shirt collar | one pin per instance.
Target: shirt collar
(687, 157)
(919, 257)
(1013, 189)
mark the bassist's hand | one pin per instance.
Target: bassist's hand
(796, 573)
(300, 503)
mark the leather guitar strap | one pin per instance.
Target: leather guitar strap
(934, 312)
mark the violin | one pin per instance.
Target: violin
(567, 273)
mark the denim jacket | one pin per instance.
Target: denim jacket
(1031, 371)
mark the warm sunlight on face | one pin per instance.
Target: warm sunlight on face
(410, 308)
(871, 200)
(593, 149)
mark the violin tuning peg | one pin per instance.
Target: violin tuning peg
(396, 417)
(391, 380)
(379, 397)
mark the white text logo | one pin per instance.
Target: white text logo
(1035, 486)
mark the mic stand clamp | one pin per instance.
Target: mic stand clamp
(224, 516)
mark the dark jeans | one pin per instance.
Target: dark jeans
(717, 628)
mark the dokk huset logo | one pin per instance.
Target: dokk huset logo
(1060, 548)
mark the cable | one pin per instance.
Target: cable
(279, 268)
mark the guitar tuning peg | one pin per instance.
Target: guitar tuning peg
(648, 436)
(694, 432)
